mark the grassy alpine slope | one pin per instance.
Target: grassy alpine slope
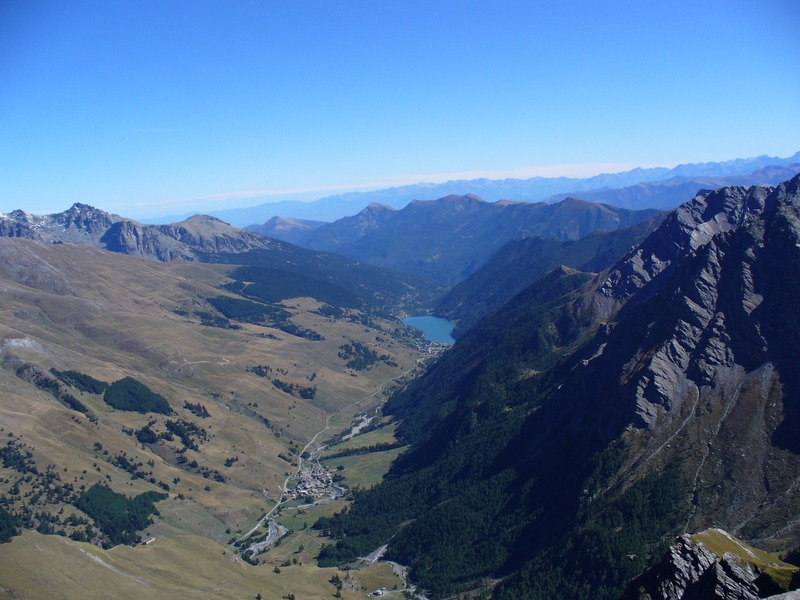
(216, 451)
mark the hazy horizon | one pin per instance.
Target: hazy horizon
(146, 108)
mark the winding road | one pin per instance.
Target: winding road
(283, 498)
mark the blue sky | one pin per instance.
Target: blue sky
(146, 108)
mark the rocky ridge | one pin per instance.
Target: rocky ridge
(690, 570)
(693, 289)
(695, 345)
(86, 225)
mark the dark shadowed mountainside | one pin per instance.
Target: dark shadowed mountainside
(449, 238)
(520, 263)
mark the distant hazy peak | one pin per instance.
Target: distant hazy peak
(378, 207)
(204, 219)
(204, 224)
(512, 202)
(572, 200)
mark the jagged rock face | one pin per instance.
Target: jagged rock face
(696, 357)
(16, 224)
(85, 225)
(84, 218)
(702, 295)
(689, 571)
(688, 228)
(80, 224)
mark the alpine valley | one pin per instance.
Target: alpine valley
(199, 411)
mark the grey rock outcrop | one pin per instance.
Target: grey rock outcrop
(689, 571)
(692, 294)
(692, 352)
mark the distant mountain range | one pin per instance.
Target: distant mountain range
(449, 238)
(675, 190)
(620, 377)
(568, 437)
(534, 189)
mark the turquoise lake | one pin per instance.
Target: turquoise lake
(434, 329)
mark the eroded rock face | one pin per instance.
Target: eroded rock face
(695, 359)
(688, 228)
(691, 298)
(689, 571)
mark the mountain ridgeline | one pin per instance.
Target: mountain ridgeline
(449, 238)
(756, 170)
(291, 271)
(522, 262)
(668, 193)
(86, 225)
(620, 378)
(568, 437)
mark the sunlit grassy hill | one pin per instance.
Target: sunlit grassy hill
(243, 398)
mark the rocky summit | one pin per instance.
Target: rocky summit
(696, 330)
(705, 292)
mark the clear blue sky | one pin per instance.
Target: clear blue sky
(147, 108)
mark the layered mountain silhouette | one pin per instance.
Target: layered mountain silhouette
(520, 263)
(568, 437)
(449, 238)
(671, 192)
(286, 229)
(534, 189)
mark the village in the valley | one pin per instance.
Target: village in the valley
(313, 483)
